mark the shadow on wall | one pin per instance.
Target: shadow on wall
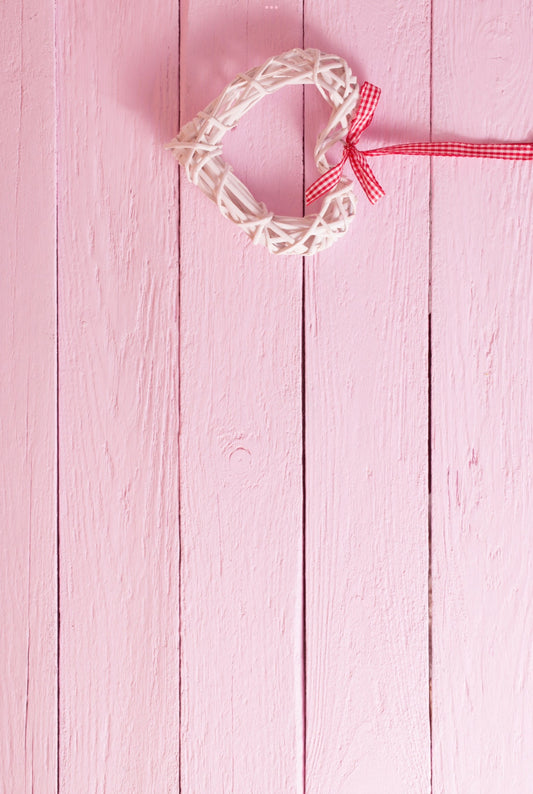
(212, 54)
(215, 52)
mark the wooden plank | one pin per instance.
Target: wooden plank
(366, 440)
(118, 315)
(483, 405)
(241, 439)
(28, 505)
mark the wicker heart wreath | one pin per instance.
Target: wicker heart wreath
(198, 148)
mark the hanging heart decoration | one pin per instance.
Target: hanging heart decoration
(198, 149)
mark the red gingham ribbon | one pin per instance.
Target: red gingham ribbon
(358, 159)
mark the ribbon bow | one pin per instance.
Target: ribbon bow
(358, 158)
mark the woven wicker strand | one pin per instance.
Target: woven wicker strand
(198, 149)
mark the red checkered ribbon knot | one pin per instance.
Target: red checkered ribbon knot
(358, 158)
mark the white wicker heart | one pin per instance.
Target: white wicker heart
(198, 149)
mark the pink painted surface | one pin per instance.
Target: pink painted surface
(118, 399)
(28, 486)
(241, 437)
(366, 439)
(243, 464)
(483, 408)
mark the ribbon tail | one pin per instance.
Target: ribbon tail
(324, 183)
(365, 175)
(496, 151)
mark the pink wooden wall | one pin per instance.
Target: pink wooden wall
(266, 524)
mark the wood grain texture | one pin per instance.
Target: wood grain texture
(366, 434)
(118, 322)
(28, 510)
(304, 406)
(241, 435)
(483, 405)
